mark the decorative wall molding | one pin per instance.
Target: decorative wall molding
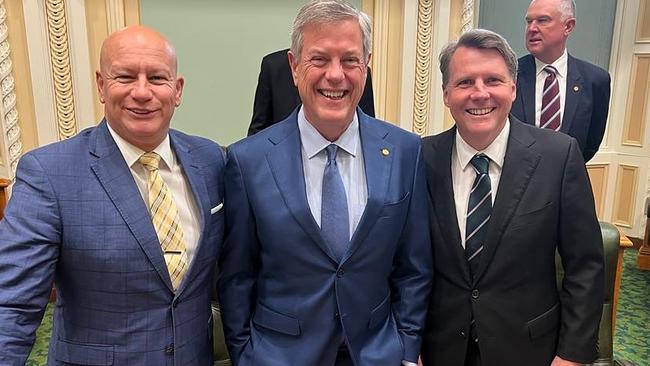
(61, 72)
(9, 113)
(467, 16)
(423, 67)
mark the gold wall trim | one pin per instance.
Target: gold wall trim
(636, 111)
(423, 67)
(57, 31)
(11, 128)
(598, 174)
(626, 183)
(467, 16)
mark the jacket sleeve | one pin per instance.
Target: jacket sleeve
(29, 247)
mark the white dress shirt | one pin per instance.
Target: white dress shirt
(561, 66)
(172, 174)
(349, 159)
(463, 175)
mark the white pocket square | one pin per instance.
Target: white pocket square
(216, 209)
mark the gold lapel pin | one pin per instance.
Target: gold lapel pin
(385, 152)
(576, 88)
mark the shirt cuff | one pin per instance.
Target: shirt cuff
(407, 363)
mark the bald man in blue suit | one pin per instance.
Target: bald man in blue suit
(79, 217)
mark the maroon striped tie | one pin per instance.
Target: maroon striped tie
(550, 116)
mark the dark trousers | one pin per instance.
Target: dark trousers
(473, 356)
(343, 357)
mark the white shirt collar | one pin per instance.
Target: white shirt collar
(132, 153)
(313, 142)
(560, 65)
(496, 151)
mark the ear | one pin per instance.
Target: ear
(99, 82)
(180, 82)
(293, 63)
(514, 91)
(445, 96)
(569, 24)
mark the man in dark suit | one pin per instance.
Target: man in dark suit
(276, 95)
(327, 258)
(125, 218)
(505, 196)
(584, 88)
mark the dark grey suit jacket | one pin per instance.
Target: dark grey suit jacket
(586, 106)
(543, 203)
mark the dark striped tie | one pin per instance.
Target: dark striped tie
(551, 117)
(478, 211)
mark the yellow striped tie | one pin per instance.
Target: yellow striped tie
(166, 220)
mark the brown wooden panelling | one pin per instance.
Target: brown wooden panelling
(4, 183)
(643, 25)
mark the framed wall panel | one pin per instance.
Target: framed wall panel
(598, 176)
(626, 183)
(643, 23)
(636, 110)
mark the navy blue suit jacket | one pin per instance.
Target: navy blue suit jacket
(586, 106)
(77, 218)
(286, 299)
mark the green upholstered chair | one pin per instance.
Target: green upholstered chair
(611, 240)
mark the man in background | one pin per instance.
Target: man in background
(125, 219)
(276, 96)
(505, 196)
(556, 90)
(327, 259)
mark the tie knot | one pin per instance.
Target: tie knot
(550, 70)
(331, 150)
(480, 163)
(150, 161)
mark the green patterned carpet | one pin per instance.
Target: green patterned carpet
(631, 342)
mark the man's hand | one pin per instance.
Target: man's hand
(559, 361)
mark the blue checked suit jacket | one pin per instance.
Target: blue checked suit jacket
(76, 218)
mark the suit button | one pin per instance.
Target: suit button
(175, 303)
(474, 294)
(169, 350)
(337, 315)
(462, 334)
(340, 273)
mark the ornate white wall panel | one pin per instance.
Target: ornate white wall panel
(10, 139)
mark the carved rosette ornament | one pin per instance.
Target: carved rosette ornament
(57, 31)
(8, 109)
(423, 67)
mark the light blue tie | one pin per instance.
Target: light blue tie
(479, 210)
(334, 222)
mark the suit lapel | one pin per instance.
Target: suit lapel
(201, 197)
(285, 160)
(574, 90)
(518, 167)
(378, 168)
(442, 193)
(116, 179)
(526, 82)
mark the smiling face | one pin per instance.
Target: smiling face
(330, 74)
(138, 85)
(546, 31)
(479, 94)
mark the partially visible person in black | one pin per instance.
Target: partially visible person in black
(276, 96)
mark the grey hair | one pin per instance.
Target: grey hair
(567, 9)
(326, 11)
(481, 39)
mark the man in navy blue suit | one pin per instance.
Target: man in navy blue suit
(133, 287)
(327, 259)
(584, 88)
